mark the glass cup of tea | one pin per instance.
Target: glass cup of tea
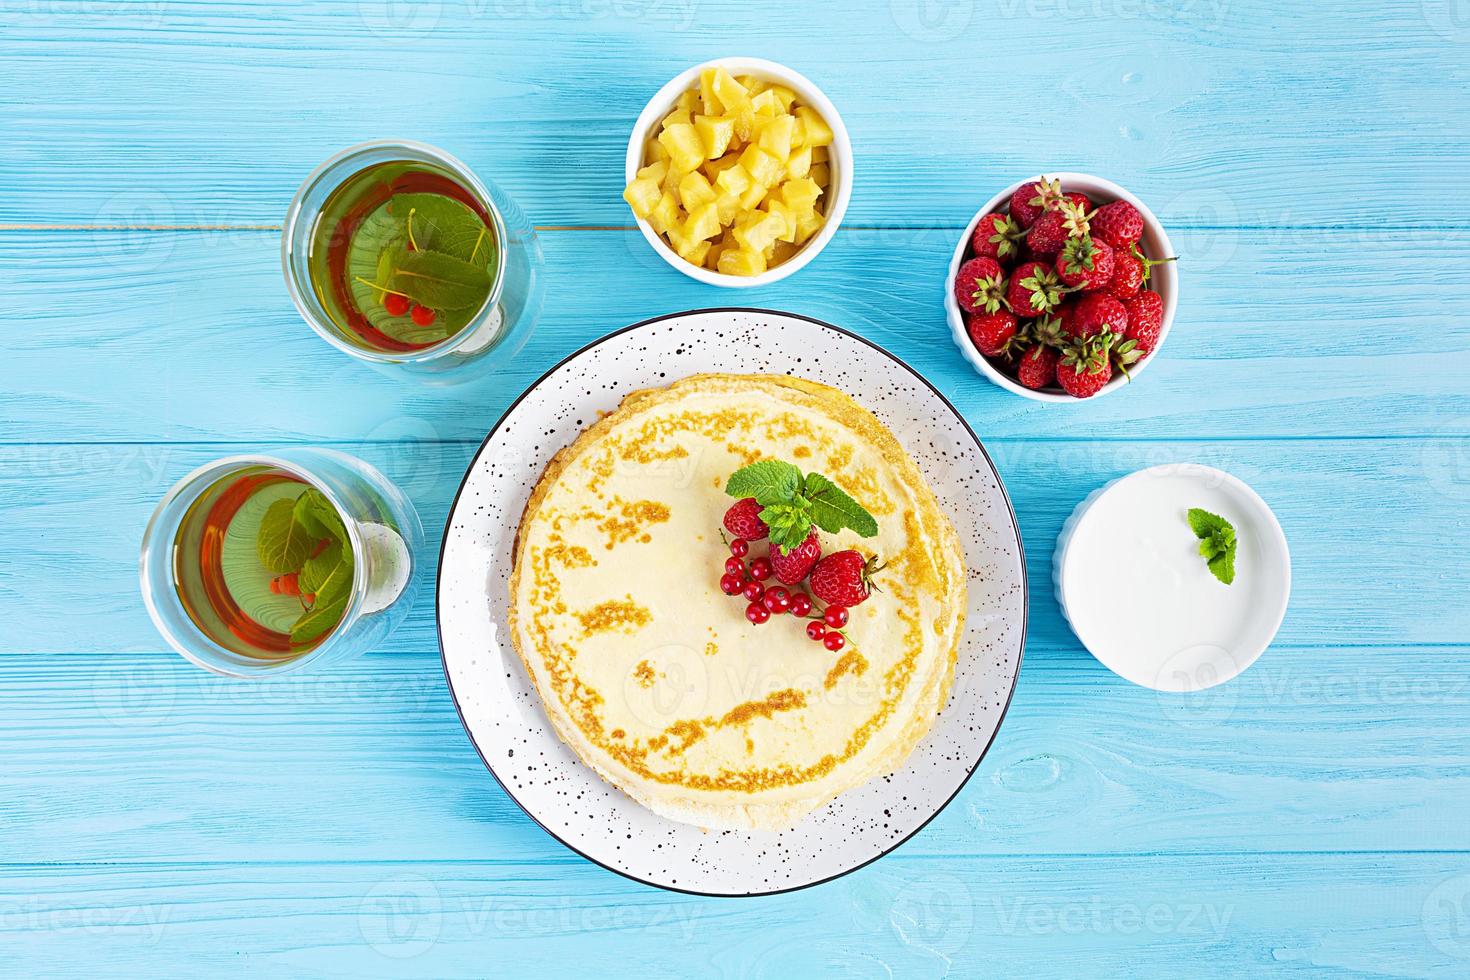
(263, 564)
(396, 253)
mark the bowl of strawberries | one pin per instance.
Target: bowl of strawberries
(1063, 287)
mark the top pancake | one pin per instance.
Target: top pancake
(655, 678)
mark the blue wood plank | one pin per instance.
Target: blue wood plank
(1205, 916)
(137, 758)
(190, 336)
(1217, 112)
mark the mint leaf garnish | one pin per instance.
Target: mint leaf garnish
(320, 618)
(770, 481)
(1217, 542)
(315, 512)
(792, 503)
(281, 543)
(833, 509)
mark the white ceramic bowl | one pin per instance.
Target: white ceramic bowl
(839, 153)
(1192, 632)
(1164, 280)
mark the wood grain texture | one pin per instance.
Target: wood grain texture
(1312, 749)
(1217, 112)
(134, 335)
(1307, 818)
(1369, 915)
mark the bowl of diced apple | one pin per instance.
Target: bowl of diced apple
(739, 171)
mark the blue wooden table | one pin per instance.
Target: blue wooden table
(1310, 163)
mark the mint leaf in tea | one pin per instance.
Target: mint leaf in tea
(403, 257)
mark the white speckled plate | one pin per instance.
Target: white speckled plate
(502, 711)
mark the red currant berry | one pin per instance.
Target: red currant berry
(801, 604)
(734, 566)
(757, 613)
(422, 315)
(395, 303)
(835, 617)
(833, 641)
(776, 599)
(731, 584)
(739, 547)
(754, 591)
(760, 569)
(815, 630)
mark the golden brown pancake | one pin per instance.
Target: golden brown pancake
(654, 677)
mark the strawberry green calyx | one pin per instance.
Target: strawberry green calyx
(1048, 195)
(1045, 330)
(1079, 255)
(990, 295)
(1075, 218)
(1089, 355)
(792, 503)
(1045, 289)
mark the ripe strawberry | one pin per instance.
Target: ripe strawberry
(1038, 367)
(1084, 367)
(1080, 200)
(743, 520)
(1145, 320)
(992, 332)
(1128, 274)
(1119, 224)
(980, 285)
(1048, 235)
(791, 566)
(1032, 198)
(1034, 290)
(1086, 262)
(844, 578)
(1097, 313)
(995, 237)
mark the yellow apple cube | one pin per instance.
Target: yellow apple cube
(787, 216)
(800, 195)
(807, 225)
(800, 163)
(727, 206)
(703, 223)
(714, 168)
(734, 180)
(818, 133)
(784, 97)
(745, 120)
(766, 104)
(655, 153)
(695, 191)
(715, 132)
(820, 174)
(751, 84)
(741, 262)
(819, 154)
(752, 197)
(759, 229)
(677, 117)
(733, 96)
(665, 213)
(695, 252)
(642, 196)
(775, 137)
(712, 257)
(686, 149)
(709, 102)
(655, 172)
(782, 251)
(762, 166)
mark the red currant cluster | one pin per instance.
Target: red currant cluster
(748, 581)
(398, 304)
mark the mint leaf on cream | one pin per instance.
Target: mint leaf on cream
(1217, 542)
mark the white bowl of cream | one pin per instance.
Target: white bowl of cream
(1137, 592)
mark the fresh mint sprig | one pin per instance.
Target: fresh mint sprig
(1217, 542)
(792, 502)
